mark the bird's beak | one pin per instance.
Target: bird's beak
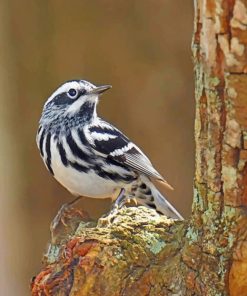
(99, 89)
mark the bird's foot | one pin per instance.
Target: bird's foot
(120, 202)
(108, 218)
(66, 216)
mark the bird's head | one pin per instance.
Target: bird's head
(76, 98)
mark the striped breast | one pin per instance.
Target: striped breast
(74, 164)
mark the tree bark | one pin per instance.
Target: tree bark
(142, 253)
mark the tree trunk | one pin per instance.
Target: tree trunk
(142, 253)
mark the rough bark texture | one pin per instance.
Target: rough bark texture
(142, 253)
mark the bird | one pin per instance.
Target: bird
(92, 158)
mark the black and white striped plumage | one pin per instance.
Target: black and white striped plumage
(89, 156)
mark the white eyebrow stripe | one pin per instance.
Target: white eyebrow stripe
(62, 89)
(76, 84)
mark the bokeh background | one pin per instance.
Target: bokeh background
(140, 47)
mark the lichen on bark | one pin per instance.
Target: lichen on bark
(126, 257)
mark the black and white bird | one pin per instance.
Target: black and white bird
(89, 156)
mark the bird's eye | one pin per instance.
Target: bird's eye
(72, 93)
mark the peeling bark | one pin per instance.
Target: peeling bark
(219, 206)
(142, 253)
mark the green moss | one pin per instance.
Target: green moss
(157, 246)
(52, 253)
(118, 254)
(213, 81)
(192, 234)
(198, 200)
(154, 243)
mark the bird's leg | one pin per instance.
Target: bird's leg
(63, 214)
(120, 201)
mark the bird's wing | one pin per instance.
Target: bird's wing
(109, 142)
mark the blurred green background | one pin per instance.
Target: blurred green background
(140, 47)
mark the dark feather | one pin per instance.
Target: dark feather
(132, 158)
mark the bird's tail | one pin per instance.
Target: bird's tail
(148, 195)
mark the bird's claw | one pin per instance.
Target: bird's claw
(65, 213)
(109, 218)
